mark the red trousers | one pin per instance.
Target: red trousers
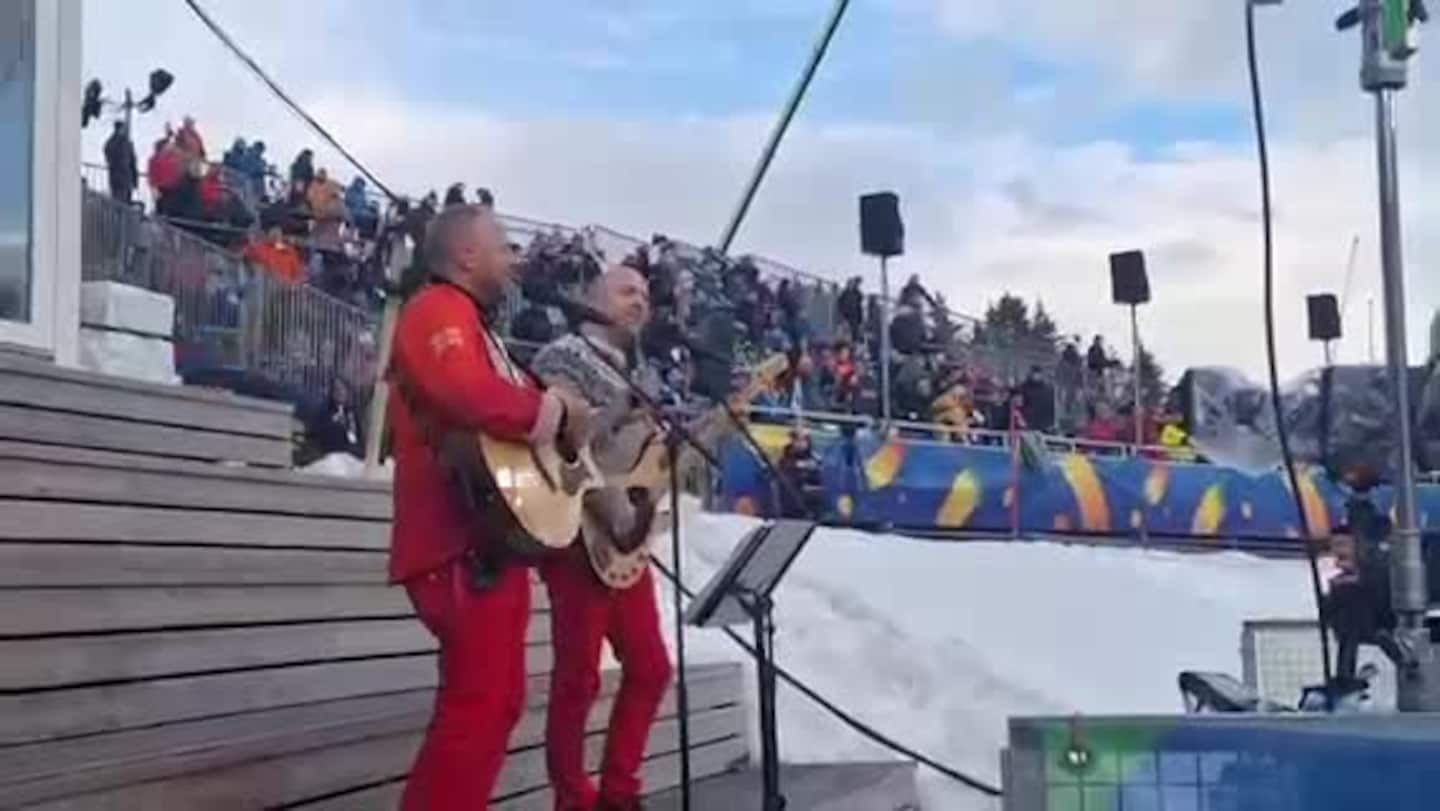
(583, 612)
(482, 686)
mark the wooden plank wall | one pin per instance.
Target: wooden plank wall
(43, 403)
(179, 634)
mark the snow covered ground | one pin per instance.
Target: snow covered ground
(936, 644)
(345, 466)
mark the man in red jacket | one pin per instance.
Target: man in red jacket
(452, 373)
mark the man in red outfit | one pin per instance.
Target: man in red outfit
(452, 373)
(583, 611)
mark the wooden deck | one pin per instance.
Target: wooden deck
(184, 623)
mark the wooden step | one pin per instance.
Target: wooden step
(291, 755)
(888, 786)
(38, 472)
(33, 520)
(44, 403)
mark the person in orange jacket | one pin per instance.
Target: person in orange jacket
(277, 256)
(452, 373)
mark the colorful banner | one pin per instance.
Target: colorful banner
(908, 483)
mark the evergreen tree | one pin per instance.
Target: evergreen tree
(1152, 380)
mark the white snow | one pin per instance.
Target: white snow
(125, 354)
(345, 466)
(126, 307)
(937, 644)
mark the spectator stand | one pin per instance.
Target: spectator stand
(236, 327)
(699, 288)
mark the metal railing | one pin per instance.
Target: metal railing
(235, 325)
(944, 434)
(1004, 360)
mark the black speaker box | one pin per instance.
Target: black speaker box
(1128, 282)
(881, 231)
(1324, 311)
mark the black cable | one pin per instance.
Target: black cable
(844, 717)
(280, 93)
(1267, 226)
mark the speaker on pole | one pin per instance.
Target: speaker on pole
(1128, 282)
(882, 233)
(1324, 312)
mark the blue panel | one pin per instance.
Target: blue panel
(1242, 763)
(908, 483)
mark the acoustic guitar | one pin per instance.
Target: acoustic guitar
(619, 563)
(534, 498)
(533, 495)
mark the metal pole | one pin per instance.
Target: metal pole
(1410, 597)
(1135, 350)
(1370, 329)
(682, 685)
(772, 799)
(885, 338)
(778, 133)
(1329, 358)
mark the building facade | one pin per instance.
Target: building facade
(40, 98)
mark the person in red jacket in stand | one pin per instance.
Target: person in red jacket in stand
(452, 373)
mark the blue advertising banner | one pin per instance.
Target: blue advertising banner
(926, 484)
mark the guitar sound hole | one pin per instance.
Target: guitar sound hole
(628, 545)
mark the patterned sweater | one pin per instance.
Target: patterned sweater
(621, 427)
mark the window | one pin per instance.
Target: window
(17, 125)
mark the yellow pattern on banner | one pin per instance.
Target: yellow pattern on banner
(1211, 511)
(960, 503)
(1089, 494)
(883, 466)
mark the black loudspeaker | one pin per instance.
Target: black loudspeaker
(1128, 282)
(1324, 316)
(881, 231)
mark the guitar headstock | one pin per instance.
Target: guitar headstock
(763, 376)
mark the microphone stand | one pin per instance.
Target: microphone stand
(676, 434)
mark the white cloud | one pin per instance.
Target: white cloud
(985, 213)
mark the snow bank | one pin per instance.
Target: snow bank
(936, 644)
(345, 466)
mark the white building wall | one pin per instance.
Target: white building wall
(54, 327)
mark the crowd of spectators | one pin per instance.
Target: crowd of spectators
(713, 314)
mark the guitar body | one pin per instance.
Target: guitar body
(536, 495)
(619, 567)
(616, 567)
(534, 499)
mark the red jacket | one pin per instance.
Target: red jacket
(452, 372)
(166, 168)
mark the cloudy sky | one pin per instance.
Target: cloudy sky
(1027, 140)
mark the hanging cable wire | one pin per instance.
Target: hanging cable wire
(1282, 433)
(249, 62)
(844, 717)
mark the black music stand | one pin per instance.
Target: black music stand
(741, 592)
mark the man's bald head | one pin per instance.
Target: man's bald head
(622, 294)
(466, 245)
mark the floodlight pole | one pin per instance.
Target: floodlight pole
(1385, 28)
(772, 145)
